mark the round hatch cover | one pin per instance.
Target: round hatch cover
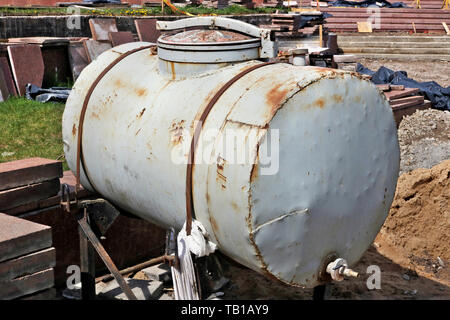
(208, 46)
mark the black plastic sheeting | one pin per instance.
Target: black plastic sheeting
(54, 94)
(438, 95)
(367, 3)
(304, 20)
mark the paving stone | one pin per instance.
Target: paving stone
(7, 76)
(95, 48)
(19, 237)
(146, 30)
(78, 58)
(143, 290)
(28, 171)
(27, 65)
(159, 272)
(100, 28)
(27, 285)
(27, 264)
(16, 197)
(121, 37)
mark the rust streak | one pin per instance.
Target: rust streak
(276, 96)
(141, 113)
(140, 92)
(320, 103)
(74, 129)
(337, 98)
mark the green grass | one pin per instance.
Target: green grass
(30, 129)
(128, 11)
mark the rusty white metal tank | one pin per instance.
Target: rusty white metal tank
(311, 177)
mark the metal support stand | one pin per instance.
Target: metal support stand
(319, 292)
(94, 217)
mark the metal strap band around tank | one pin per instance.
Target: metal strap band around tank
(80, 157)
(197, 130)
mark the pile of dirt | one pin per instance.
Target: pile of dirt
(424, 139)
(416, 233)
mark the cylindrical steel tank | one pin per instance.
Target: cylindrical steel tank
(310, 178)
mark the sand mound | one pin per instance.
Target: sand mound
(418, 226)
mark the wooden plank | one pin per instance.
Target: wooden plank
(417, 99)
(27, 285)
(28, 171)
(21, 195)
(446, 28)
(406, 104)
(19, 237)
(384, 87)
(364, 26)
(27, 264)
(400, 113)
(391, 95)
(397, 87)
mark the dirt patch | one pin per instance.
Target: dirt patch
(424, 139)
(416, 233)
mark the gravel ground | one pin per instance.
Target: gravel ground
(424, 139)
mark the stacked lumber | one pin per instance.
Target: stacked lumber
(26, 257)
(404, 101)
(344, 19)
(291, 22)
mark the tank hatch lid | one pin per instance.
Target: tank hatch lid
(225, 40)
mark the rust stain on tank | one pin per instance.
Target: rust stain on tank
(95, 115)
(140, 92)
(176, 130)
(276, 96)
(214, 224)
(337, 98)
(172, 69)
(74, 129)
(141, 113)
(320, 103)
(118, 83)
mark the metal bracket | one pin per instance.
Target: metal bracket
(102, 214)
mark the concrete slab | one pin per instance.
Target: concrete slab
(7, 76)
(160, 272)
(95, 48)
(27, 264)
(27, 65)
(28, 171)
(19, 237)
(26, 285)
(16, 197)
(101, 27)
(78, 58)
(146, 30)
(4, 92)
(121, 37)
(143, 289)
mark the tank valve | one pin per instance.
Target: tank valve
(339, 268)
